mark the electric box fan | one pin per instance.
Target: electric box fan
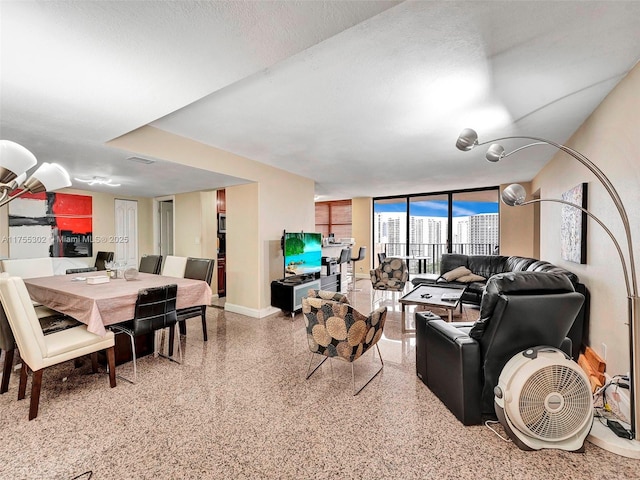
(543, 400)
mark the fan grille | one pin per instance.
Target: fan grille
(548, 423)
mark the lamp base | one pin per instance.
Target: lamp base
(604, 438)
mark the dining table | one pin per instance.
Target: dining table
(100, 304)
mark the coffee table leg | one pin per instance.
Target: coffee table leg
(450, 311)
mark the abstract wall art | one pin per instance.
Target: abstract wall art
(50, 224)
(574, 225)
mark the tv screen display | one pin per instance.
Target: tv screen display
(302, 253)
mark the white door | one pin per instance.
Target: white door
(166, 227)
(126, 234)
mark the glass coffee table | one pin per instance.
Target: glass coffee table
(447, 297)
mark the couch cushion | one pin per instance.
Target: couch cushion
(487, 265)
(456, 273)
(472, 277)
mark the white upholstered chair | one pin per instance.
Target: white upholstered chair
(38, 351)
(174, 266)
(28, 267)
(31, 268)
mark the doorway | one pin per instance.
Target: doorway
(126, 227)
(165, 223)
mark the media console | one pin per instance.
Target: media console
(287, 293)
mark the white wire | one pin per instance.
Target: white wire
(487, 424)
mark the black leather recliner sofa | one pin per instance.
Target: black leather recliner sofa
(464, 360)
(489, 265)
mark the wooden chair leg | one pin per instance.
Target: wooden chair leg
(111, 361)
(94, 362)
(36, 384)
(22, 388)
(6, 370)
(204, 323)
(183, 327)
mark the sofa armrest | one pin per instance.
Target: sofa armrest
(454, 370)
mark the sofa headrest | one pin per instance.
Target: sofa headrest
(528, 282)
(517, 283)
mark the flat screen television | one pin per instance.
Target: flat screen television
(302, 253)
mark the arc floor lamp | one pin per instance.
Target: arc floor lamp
(515, 195)
(15, 160)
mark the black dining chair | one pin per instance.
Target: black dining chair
(101, 259)
(155, 310)
(151, 264)
(196, 269)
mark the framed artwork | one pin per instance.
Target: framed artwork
(574, 225)
(50, 224)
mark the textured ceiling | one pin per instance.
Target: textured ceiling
(366, 98)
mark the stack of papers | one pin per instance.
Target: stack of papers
(451, 296)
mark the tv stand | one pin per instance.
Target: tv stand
(287, 293)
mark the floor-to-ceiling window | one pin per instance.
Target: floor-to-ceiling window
(422, 227)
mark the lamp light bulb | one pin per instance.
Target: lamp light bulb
(467, 139)
(514, 195)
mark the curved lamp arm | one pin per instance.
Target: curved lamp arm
(468, 139)
(514, 196)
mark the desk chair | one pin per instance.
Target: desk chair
(150, 264)
(101, 259)
(196, 269)
(38, 351)
(361, 254)
(155, 310)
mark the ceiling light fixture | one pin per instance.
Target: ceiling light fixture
(98, 181)
(15, 160)
(515, 195)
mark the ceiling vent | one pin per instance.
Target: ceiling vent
(145, 161)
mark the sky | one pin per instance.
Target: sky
(438, 208)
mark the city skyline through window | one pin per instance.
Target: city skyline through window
(422, 228)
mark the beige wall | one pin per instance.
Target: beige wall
(361, 218)
(187, 224)
(272, 200)
(609, 138)
(103, 223)
(517, 228)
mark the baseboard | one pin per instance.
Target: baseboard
(250, 312)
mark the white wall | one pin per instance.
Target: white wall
(609, 137)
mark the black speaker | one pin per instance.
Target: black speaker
(422, 318)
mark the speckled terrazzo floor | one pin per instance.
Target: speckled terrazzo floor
(239, 407)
